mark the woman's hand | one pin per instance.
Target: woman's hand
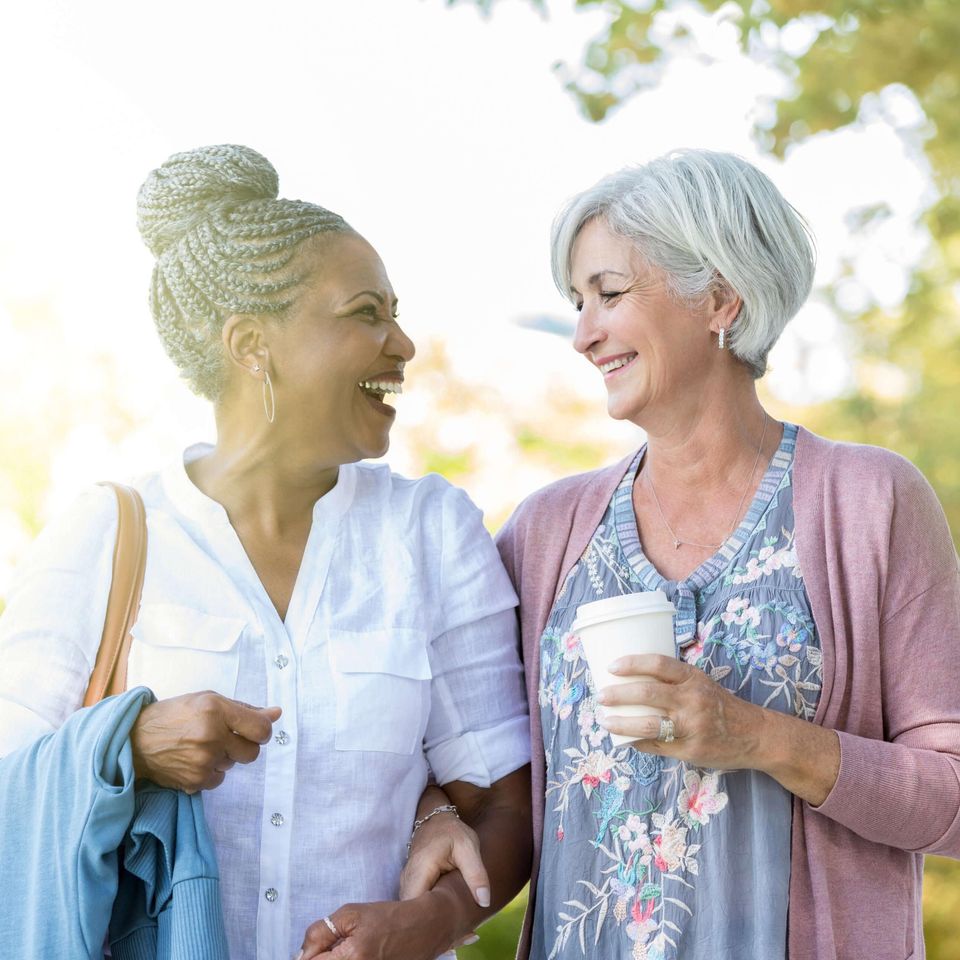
(714, 728)
(189, 742)
(443, 844)
(412, 929)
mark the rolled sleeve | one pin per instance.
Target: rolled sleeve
(478, 730)
(483, 757)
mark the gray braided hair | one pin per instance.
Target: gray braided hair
(224, 244)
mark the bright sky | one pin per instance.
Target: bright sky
(444, 137)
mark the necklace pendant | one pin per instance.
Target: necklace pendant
(676, 544)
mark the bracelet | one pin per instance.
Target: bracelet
(417, 824)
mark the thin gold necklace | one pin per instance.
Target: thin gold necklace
(677, 542)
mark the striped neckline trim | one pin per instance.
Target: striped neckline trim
(625, 520)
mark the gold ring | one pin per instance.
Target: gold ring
(666, 730)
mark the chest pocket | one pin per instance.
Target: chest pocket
(178, 650)
(382, 688)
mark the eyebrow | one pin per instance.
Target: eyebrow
(379, 297)
(597, 277)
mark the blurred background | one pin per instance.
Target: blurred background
(449, 133)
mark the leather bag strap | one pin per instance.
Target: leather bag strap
(109, 675)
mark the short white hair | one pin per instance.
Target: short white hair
(704, 218)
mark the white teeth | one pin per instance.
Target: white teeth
(616, 364)
(382, 386)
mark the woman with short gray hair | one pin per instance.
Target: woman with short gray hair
(805, 750)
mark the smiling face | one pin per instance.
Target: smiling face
(339, 352)
(649, 348)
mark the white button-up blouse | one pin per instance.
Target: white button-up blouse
(398, 654)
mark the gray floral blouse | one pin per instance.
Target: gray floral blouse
(651, 859)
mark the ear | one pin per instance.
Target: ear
(723, 305)
(244, 341)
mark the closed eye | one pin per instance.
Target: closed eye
(610, 295)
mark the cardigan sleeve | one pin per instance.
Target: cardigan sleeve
(508, 543)
(904, 790)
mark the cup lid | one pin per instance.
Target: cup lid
(627, 605)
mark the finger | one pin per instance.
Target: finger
(467, 941)
(642, 693)
(466, 858)
(346, 919)
(666, 669)
(213, 780)
(241, 750)
(638, 728)
(419, 876)
(318, 939)
(253, 723)
(273, 712)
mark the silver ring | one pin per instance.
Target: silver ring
(332, 927)
(666, 730)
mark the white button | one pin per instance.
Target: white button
(281, 661)
(277, 819)
(271, 894)
(283, 738)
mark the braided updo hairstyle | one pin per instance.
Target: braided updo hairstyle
(224, 244)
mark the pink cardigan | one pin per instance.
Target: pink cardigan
(883, 579)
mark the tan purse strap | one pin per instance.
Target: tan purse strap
(109, 675)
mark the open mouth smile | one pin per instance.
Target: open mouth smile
(609, 366)
(376, 390)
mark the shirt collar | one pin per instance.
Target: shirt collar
(191, 501)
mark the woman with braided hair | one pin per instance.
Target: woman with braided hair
(371, 612)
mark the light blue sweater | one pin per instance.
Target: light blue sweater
(78, 843)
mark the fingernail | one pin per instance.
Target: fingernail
(602, 696)
(615, 666)
(473, 938)
(483, 896)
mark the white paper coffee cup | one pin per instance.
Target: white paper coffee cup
(624, 626)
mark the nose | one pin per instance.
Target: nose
(400, 345)
(589, 333)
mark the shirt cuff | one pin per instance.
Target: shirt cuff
(482, 757)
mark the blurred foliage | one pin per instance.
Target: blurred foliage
(48, 398)
(941, 908)
(486, 6)
(499, 936)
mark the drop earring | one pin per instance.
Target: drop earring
(722, 338)
(269, 398)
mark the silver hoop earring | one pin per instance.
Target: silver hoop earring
(721, 338)
(269, 400)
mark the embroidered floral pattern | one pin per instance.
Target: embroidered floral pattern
(700, 797)
(630, 829)
(766, 560)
